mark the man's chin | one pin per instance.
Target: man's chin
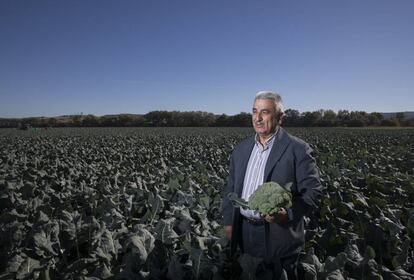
(261, 132)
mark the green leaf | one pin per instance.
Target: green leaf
(332, 264)
(43, 244)
(27, 268)
(164, 231)
(237, 202)
(199, 263)
(312, 259)
(401, 259)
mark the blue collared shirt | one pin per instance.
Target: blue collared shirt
(255, 171)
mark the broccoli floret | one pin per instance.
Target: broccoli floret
(269, 198)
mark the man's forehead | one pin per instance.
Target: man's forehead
(263, 104)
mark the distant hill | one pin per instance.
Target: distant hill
(407, 115)
(117, 115)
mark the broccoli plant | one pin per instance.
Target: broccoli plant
(267, 199)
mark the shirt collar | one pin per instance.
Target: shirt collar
(269, 141)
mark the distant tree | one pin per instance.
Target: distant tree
(390, 122)
(32, 122)
(125, 120)
(43, 122)
(240, 120)
(207, 119)
(77, 120)
(400, 117)
(138, 121)
(306, 118)
(90, 121)
(375, 119)
(177, 119)
(52, 122)
(409, 122)
(311, 118)
(291, 118)
(328, 118)
(222, 120)
(193, 118)
(9, 123)
(156, 118)
(358, 118)
(109, 121)
(343, 117)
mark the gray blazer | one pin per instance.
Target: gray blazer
(290, 160)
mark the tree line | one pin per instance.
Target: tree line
(292, 118)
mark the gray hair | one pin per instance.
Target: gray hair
(271, 96)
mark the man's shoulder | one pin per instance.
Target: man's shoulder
(244, 144)
(295, 141)
(298, 141)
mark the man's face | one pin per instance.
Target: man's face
(264, 117)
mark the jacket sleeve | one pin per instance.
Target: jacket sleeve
(309, 188)
(227, 206)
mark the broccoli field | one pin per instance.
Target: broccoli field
(144, 203)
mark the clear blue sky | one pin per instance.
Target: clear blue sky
(108, 57)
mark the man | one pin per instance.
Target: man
(271, 155)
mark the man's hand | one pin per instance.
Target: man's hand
(280, 216)
(227, 231)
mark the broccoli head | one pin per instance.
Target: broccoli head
(270, 197)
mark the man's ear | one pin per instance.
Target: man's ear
(280, 117)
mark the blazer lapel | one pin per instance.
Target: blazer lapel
(279, 146)
(244, 160)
